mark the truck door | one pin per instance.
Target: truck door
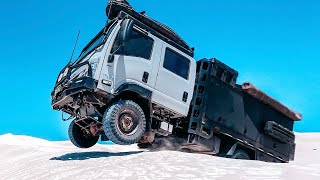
(133, 62)
(175, 80)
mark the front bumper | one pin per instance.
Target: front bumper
(63, 93)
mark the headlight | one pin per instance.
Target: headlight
(79, 72)
(83, 73)
(63, 74)
(60, 77)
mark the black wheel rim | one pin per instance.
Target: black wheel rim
(128, 122)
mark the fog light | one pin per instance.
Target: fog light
(107, 82)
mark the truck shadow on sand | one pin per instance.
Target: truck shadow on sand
(92, 155)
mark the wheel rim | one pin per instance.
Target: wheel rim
(128, 122)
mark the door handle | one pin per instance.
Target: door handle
(145, 77)
(185, 97)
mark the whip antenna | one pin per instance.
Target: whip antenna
(75, 46)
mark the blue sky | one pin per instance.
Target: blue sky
(273, 44)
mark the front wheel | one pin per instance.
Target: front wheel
(80, 137)
(124, 122)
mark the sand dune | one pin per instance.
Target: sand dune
(24, 157)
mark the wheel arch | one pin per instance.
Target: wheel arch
(251, 152)
(239, 146)
(134, 88)
(229, 145)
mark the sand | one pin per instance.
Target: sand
(23, 157)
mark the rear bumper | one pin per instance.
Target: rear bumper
(63, 93)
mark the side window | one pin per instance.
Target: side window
(138, 45)
(176, 63)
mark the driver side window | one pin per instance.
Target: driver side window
(138, 45)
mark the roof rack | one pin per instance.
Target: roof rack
(114, 7)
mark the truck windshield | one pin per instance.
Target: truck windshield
(96, 41)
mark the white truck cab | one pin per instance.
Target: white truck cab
(127, 62)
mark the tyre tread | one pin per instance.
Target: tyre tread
(109, 124)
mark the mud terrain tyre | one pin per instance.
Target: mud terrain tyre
(80, 137)
(240, 154)
(124, 122)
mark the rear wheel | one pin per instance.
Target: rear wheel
(240, 154)
(124, 122)
(80, 137)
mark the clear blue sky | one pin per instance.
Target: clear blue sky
(273, 44)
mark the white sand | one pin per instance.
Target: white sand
(23, 157)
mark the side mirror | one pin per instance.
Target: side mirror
(111, 58)
(125, 30)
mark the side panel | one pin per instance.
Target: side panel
(222, 107)
(131, 69)
(245, 118)
(170, 88)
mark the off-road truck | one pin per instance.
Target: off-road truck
(137, 80)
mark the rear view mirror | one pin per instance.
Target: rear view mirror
(111, 58)
(125, 30)
(123, 36)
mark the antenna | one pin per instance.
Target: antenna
(75, 46)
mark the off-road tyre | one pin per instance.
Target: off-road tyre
(240, 154)
(80, 138)
(124, 122)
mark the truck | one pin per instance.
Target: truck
(137, 81)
